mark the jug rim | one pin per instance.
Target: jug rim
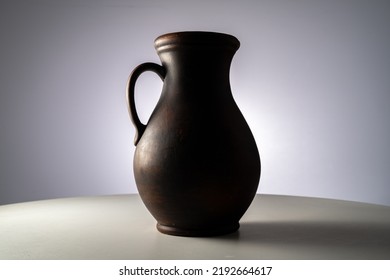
(196, 38)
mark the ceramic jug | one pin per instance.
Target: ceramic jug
(196, 163)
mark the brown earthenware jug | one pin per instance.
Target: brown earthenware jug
(196, 163)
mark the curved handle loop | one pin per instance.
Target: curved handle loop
(149, 66)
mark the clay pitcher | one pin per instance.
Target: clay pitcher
(196, 163)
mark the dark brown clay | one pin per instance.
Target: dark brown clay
(196, 163)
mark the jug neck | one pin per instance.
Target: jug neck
(197, 59)
(194, 65)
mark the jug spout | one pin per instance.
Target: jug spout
(196, 40)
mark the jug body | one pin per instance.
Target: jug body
(196, 163)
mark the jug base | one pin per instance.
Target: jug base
(198, 232)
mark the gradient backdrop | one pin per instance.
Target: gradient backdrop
(312, 79)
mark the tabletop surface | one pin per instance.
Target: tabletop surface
(120, 227)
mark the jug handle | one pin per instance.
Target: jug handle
(148, 66)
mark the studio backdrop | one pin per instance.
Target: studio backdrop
(312, 79)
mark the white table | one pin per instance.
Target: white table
(120, 227)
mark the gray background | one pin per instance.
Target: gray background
(311, 77)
